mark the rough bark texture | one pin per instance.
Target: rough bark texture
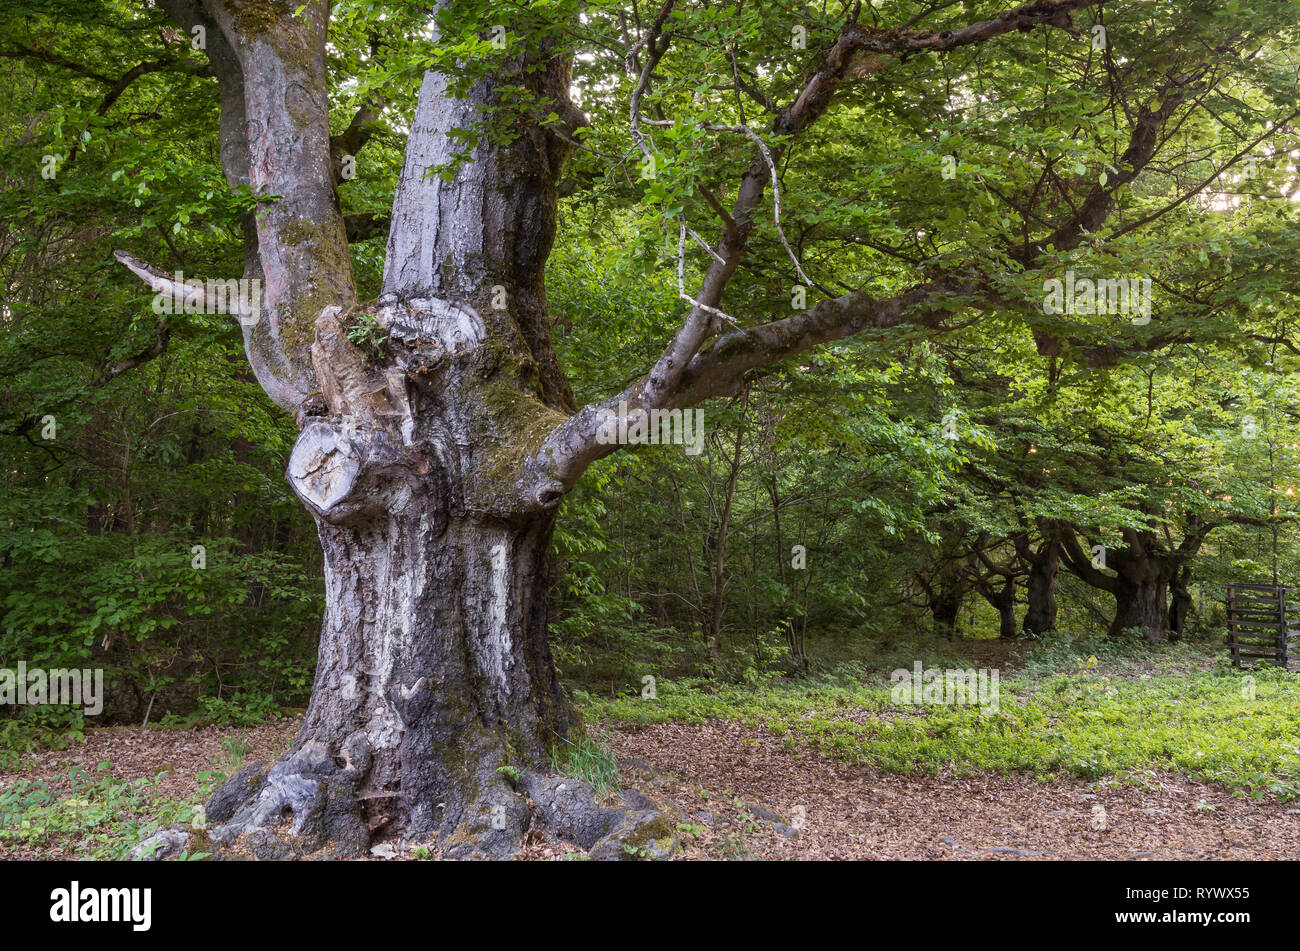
(1141, 602)
(270, 65)
(434, 673)
(434, 669)
(1042, 564)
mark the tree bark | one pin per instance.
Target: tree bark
(1140, 584)
(1003, 601)
(1040, 586)
(434, 671)
(1146, 571)
(434, 667)
(1141, 603)
(943, 595)
(1180, 602)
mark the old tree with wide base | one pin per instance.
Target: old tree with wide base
(438, 432)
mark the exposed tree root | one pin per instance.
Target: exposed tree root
(307, 806)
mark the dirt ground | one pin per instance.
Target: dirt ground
(853, 812)
(739, 795)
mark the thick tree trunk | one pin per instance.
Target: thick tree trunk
(945, 605)
(1143, 573)
(1003, 601)
(1143, 569)
(1143, 605)
(1040, 589)
(435, 680)
(1180, 603)
(434, 671)
(1142, 602)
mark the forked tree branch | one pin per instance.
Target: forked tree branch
(275, 139)
(683, 375)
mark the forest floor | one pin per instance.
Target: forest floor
(739, 791)
(718, 771)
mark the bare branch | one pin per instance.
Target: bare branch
(197, 294)
(265, 355)
(162, 334)
(858, 53)
(718, 370)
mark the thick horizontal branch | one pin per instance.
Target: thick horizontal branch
(1078, 562)
(718, 370)
(574, 446)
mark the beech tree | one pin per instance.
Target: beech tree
(438, 431)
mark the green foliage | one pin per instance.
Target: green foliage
(589, 759)
(99, 816)
(368, 334)
(19, 736)
(247, 708)
(675, 566)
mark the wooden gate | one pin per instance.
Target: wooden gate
(1261, 624)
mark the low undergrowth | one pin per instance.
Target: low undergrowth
(1099, 710)
(92, 815)
(1110, 714)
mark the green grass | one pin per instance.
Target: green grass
(1099, 709)
(96, 816)
(1128, 713)
(234, 751)
(587, 758)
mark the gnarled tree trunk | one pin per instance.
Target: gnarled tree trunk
(1003, 600)
(417, 454)
(434, 668)
(1141, 602)
(1145, 569)
(433, 673)
(1040, 585)
(944, 593)
(437, 443)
